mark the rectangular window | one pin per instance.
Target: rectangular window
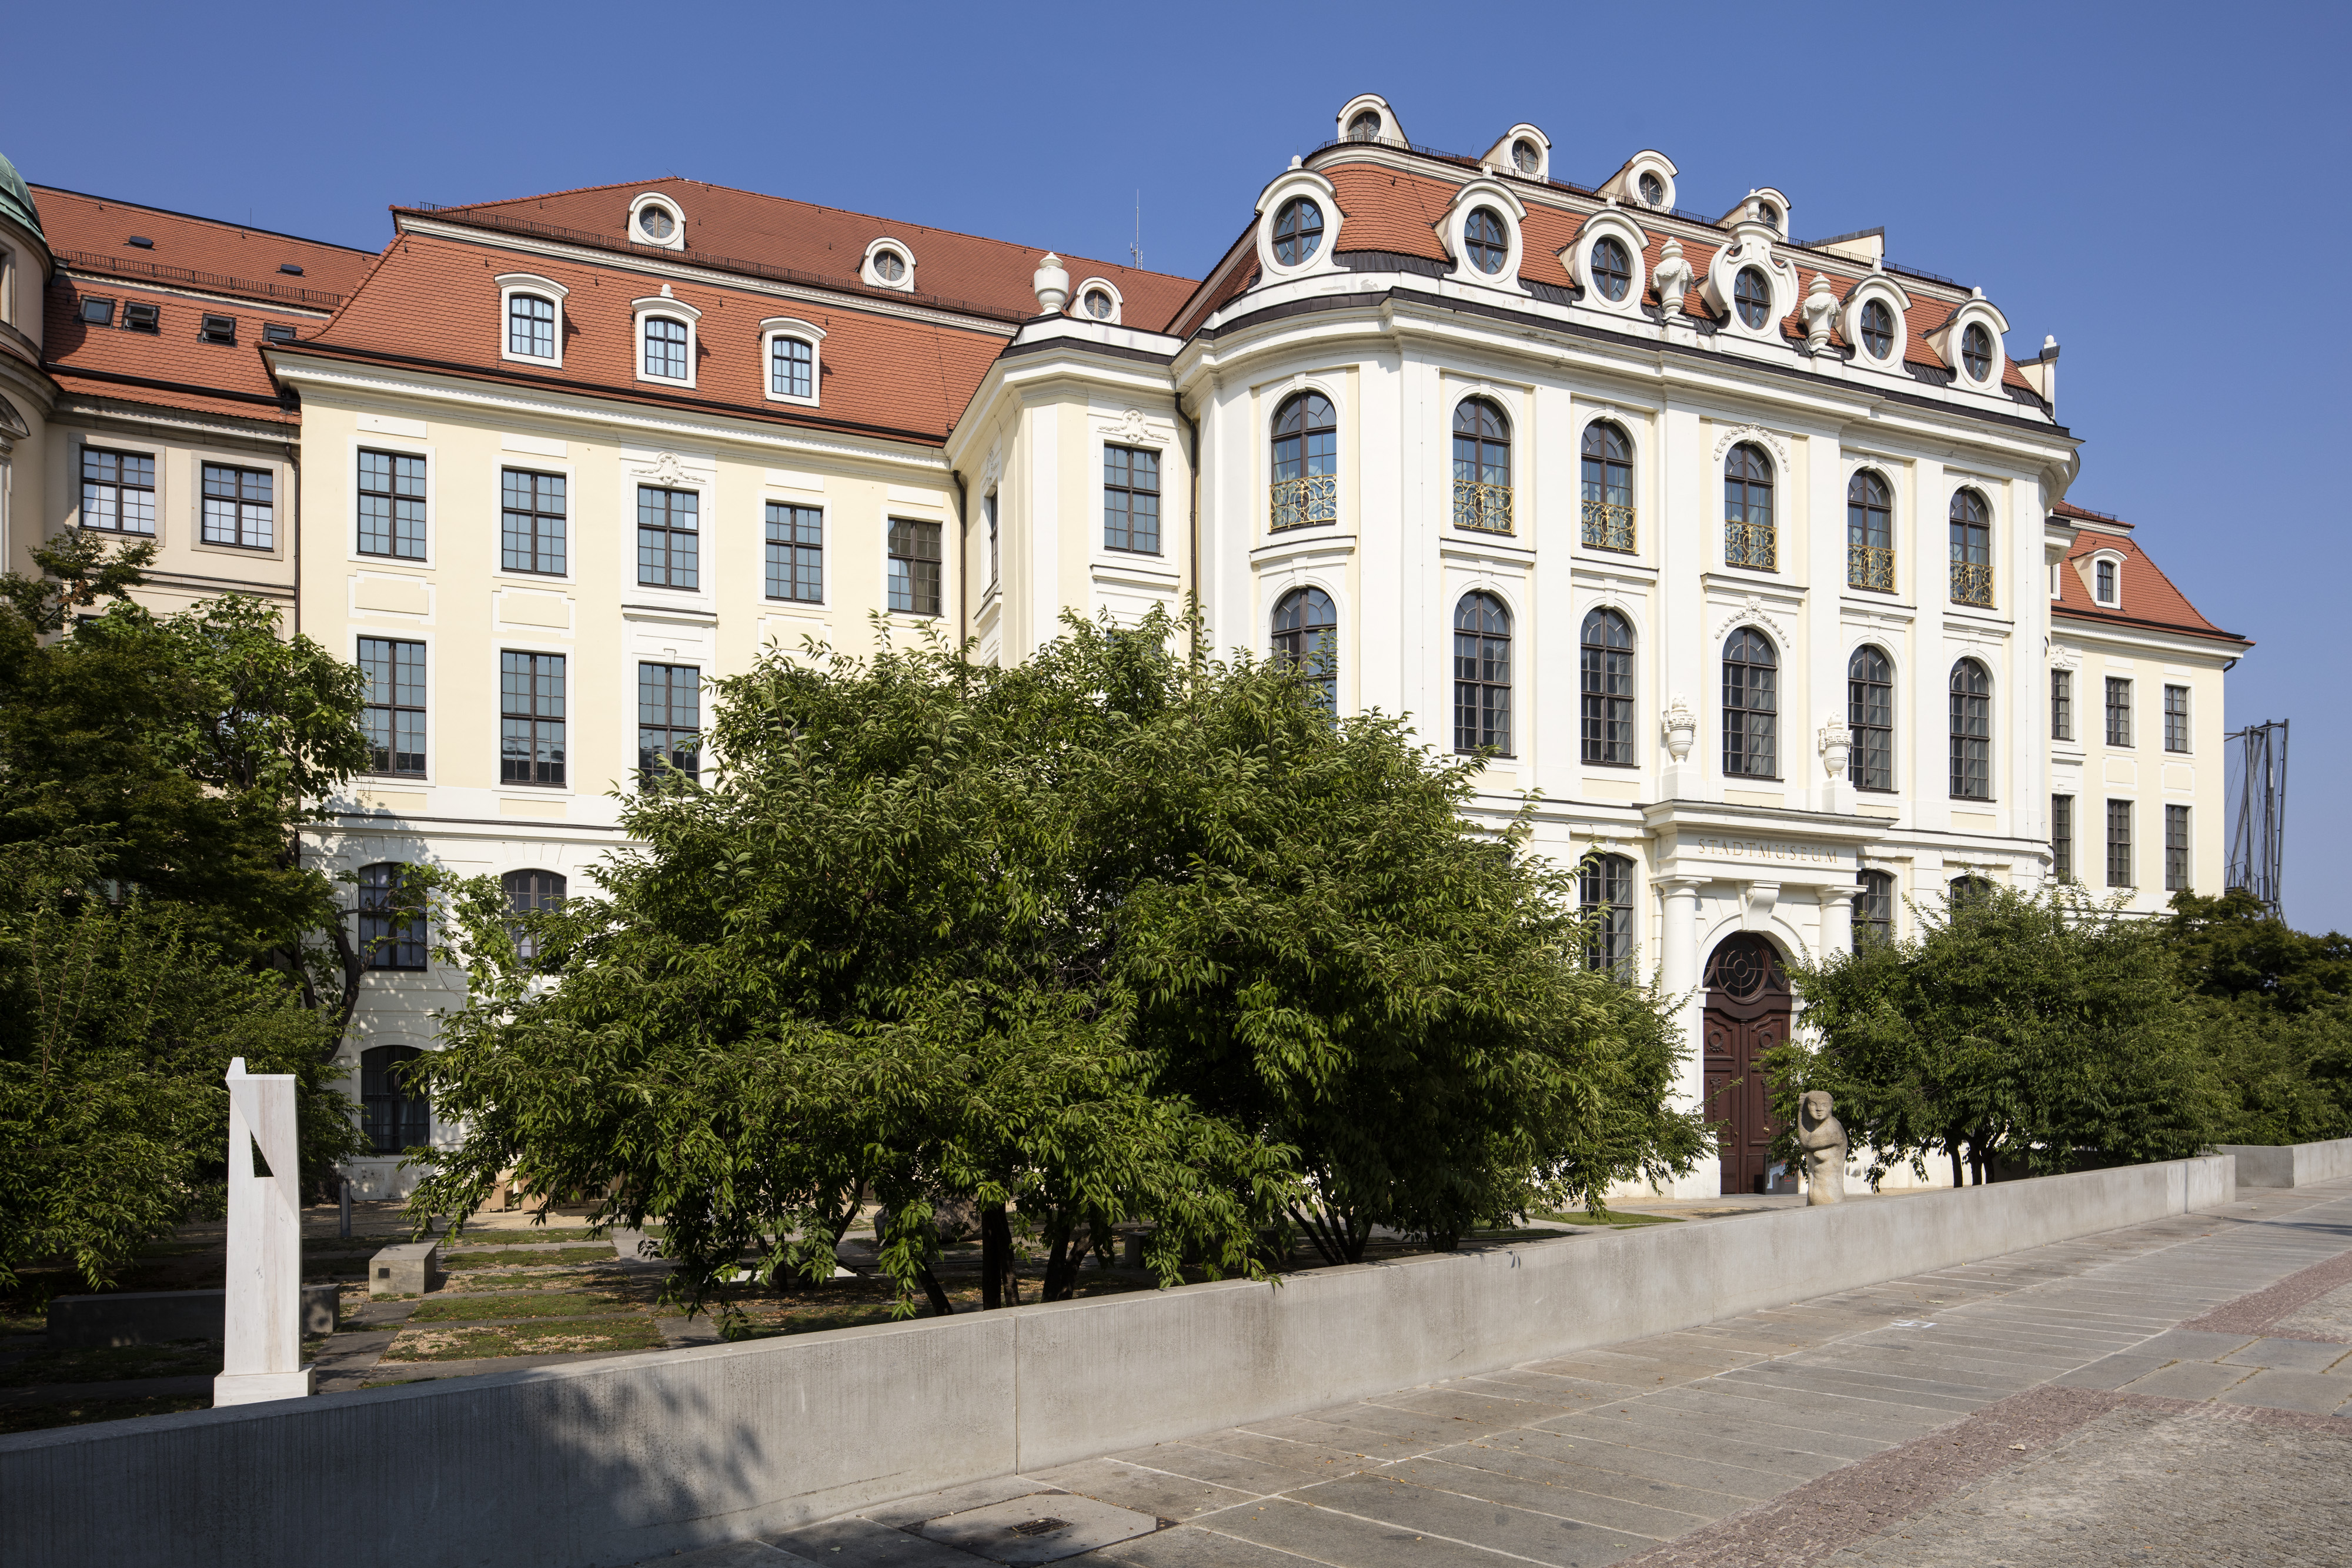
(531, 718)
(530, 326)
(665, 347)
(391, 505)
(2175, 718)
(914, 567)
(669, 707)
(2062, 704)
(237, 509)
(2119, 845)
(391, 920)
(531, 516)
(669, 544)
(792, 367)
(2176, 849)
(988, 511)
(97, 312)
(1132, 499)
(395, 705)
(277, 332)
(795, 553)
(139, 318)
(2119, 712)
(2062, 837)
(118, 491)
(218, 329)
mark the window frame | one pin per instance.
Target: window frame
(669, 531)
(561, 519)
(1608, 882)
(1869, 525)
(2122, 868)
(421, 707)
(2062, 830)
(1289, 227)
(1120, 494)
(2062, 704)
(2177, 727)
(205, 469)
(1480, 409)
(537, 898)
(1872, 889)
(105, 303)
(1741, 303)
(153, 489)
(666, 721)
(2179, 851)
(1498, 244)
(1304, 460)
(1744, 709)
(214, 326)
(142, 316)
(510, 286)
(539, 725)
(1603, 710)
(1619, 270)
(1970, 730)
(1970, 519)
(386, 1132)
(361, 451)
(377, 904)
(2107, 581)
(1489, 695)
(895, 558)
(1746, 506)
(1598, 476)
(776, 329)
(674, 312)
(2119, 727)
(1318, 658)
(791, 561)
(1877, 336)
(1861, 682)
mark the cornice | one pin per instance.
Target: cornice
(115, 283)
(147, 413)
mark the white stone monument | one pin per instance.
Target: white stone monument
(261, 1357)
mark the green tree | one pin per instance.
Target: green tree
(2035, 1029)
(1113, 934)
(2275, 1013)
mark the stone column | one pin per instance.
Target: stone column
(261, 1354)
(1837, 919)
(1678, 976)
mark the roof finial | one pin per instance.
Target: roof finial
(1052, 282)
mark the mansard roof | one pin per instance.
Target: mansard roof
(92, 233)
(2149, 597)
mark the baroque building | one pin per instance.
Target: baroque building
(1749, 558)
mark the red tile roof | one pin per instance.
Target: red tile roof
(172, 366)
(828, 244)
(90, 232)
(2148, 596)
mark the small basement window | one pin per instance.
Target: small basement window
(141, 318)
(97, 312)
(219, 330)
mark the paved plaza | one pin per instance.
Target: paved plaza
(2165, 1394)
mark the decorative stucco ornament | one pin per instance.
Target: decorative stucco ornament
(1822, 1137)
(1837, 743)
(1681, 725)
(1675, 277)
(1051, 281)
(1820, 311)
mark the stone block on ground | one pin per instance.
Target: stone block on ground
(410, 1270)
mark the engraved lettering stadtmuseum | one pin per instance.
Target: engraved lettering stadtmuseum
(1767, 849)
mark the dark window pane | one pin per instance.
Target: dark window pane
(532, 719)
(1132, 499)
(792, 367)
(531, 521)
(914, 567)
(1606, 700)
(1605, 889)
(391, 918)
(1750, 706)
(669, 542)
(1298, 231)
(391, 505)
(1870, 714)
(1307, 633)
(795, 553)
(394, 1117)
(1482, 674)
(669, 722)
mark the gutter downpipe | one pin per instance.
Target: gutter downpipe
(1192, 462)
(963, 563)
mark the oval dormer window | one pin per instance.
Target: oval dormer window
(1976, 352)
(1365, 127)
(1753, 299)
(1485, 241)
(1653, 190)
(657, 222)
(1769, 213)
(889, 266)
(1096, 303)
(1612, 269)
(1525, 157)
(1878, 329)
(1298, 231)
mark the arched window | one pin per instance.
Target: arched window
(1968, 891)
(1869, 533)
(1613, 268)
(1752, 297)
(1874, 908)
(1305, 461)
(528, 892)
(1608, 696)
(1972, 548)
(1482, 674)
(1307, 633)
(792, 367)
(1751, 708)
(1365, 127)
(1608, 487)
(1298, 231)
(1878, 329)
(391, 918)
(1971, 732)
(1485, 240)
(665, 347)
(530, 326)
(1749, 538)
(1604, 885)
(1976, 352)
(1653, 190)
(1482, 467)
(1870, 714)
(396, 1117)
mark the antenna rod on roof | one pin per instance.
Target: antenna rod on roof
(1136, 250)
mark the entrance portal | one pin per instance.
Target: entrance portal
(1747, 1015)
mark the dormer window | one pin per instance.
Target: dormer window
(1298, 231)
(889, 263)
(1485, 241)
(1976, 351)
(1751, 296)
(530, 326)
(1612, 269)
(1526, 158)
(889, 266)
(2104, 587)
(790, 347)
(1365, 127)
(1096, 303)
(1769, 213)
(656, 223)
(666, 342)
(218, 329)
(1878, 329)
(1653, 190)
(666, 339)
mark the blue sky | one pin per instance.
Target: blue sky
(2160, 186)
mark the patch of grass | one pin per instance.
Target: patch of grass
(1617, 1218)
(80, 1412)
(549, 1279)
(527, 1236)
(518, 1258)
(558, 1336)
(181, 1358)
(514, 1304)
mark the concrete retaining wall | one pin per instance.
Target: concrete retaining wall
(608, 1461)
(2290, 1164)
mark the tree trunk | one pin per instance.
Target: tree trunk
(1060, 1276)
(1954, 1150)
(940, 1306)
(1000, 1286)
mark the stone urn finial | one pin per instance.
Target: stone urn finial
(1051, 281)
(1681, 727)
(1675, 276)
(1820, 311)
(1837, 743)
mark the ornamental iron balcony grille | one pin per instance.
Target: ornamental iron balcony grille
(1609, 526)
(1756, 545)
(1305, 501)
(1486, 508)
(1871, 567)
(1972, 583)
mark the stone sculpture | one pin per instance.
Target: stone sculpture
(1821, 311)
(1674, 278)
(1821, 1138)
(261, 1355)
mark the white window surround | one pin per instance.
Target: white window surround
(1750, 207)
(1298, 182)
(406, 446)
(365, 780)
(1118, 301)
(1878, 285)
(1500, 155)
(674, 310)
(513, 283)
(904, 283)
(1625, 185)
(1390, 130)
(512, 582)
(676, 238)
(2090, 569)
(1946, 340)
(1578, 260)
(570, 654)
(1505, 203)
(776, 327)
(1752, 248)
(1515, 415)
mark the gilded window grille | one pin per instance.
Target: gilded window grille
(1870, 566)
(1609, 526)
(1305, 501)
(1972, 583)
(1484, 507)
(1753, 545)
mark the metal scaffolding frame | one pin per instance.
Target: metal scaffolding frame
(2255, 773)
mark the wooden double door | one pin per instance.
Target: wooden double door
(1747, 1015)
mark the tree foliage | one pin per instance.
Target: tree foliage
(1110, 936)
(2275, 1011)
(2034, 1029)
